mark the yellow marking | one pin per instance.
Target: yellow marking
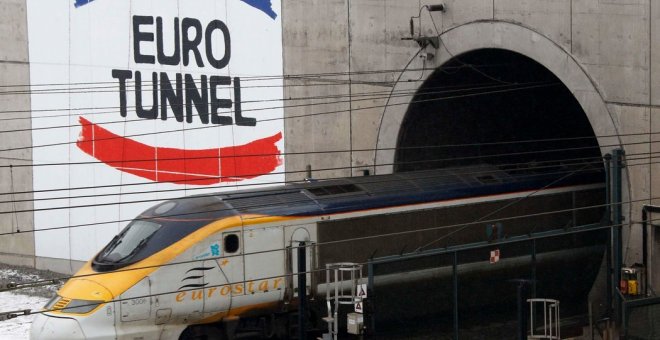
(260, 286)
(180, 296)
(224, 262)
(118, 282)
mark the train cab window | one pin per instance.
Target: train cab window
(127, 244)
(231, 243)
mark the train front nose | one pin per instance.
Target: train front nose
(55, 328)
(82, 309)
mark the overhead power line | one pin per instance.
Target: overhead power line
(328, 76)
(375, 179)
(276, 119)
(363, 96)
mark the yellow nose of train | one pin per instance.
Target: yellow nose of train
(79, 300)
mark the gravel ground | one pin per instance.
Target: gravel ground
(33, 298)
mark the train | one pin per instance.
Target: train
(211, 266)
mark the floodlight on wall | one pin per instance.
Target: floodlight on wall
(424, 41)
(437, 8)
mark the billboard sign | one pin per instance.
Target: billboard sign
(136, 101)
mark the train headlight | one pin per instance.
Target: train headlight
(72, 306)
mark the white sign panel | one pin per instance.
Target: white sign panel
(361, 291)
(494, 256)
(358, 307)
(138, 101)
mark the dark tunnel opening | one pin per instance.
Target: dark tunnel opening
(501, 108)
(497, 107)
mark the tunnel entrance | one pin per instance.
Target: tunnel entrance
(497, 107)
(500, 108)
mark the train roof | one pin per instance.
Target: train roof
(367, 192)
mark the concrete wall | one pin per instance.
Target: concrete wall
(606, 51)
(15, 137)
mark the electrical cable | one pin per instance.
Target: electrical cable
(370, 96)
(140, 201)
(376, 180)
(289, 77)
(274, 119)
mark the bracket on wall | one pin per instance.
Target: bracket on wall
(425, 41)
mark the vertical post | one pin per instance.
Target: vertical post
(522, 324)
(645, 252)
(372, 297)
(455, 284)
(534, 268)
(608, 220)
(302, 290)
(574, 209)
(617, 160)
(608, 188)
(521, 315)
(308, 171)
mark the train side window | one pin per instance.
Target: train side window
(231, 243)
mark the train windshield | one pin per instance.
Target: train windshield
(159, 227)
(129, 242)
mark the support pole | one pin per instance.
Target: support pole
(302, 290)
(608, 221)
(372, 296)
(617, 160)
(455, 284)
(533, 269)
(646, 209)
(522, 324)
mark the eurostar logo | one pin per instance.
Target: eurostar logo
(265, 6)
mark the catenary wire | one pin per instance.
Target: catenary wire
(376, 179)
(398, 93)
(273, 119)
(266, 183)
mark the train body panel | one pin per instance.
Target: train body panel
(205, 259)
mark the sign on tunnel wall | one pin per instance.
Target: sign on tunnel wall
(138, 101)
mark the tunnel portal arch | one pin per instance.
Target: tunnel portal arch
(513, 56)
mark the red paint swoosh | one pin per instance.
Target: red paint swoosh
(180, 166)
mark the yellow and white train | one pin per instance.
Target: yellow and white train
(204, 267)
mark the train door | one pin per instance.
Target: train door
(225, 279)
(294, 236)
(264, 263)
(217, 271)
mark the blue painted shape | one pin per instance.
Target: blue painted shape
(263, 5)
(81, 3)
(215, 250)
